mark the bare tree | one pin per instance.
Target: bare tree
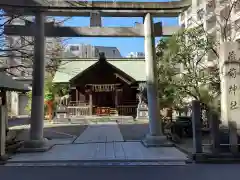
(16, 53)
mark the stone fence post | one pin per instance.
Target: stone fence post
(197, 127)
(2, 123)
(2, 131)
(214, 131)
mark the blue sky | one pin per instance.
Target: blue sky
(125, 45)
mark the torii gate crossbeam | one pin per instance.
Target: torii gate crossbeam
(107, 8)
(63, 31)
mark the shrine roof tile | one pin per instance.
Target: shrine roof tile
(9, 84)
(72, 67)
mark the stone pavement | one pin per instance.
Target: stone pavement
(103, 132)
(101, 143)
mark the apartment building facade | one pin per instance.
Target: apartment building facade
(212, 15)
(220, 20)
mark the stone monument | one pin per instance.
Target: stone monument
(230, 86)
(230, 83)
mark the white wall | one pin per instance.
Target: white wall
(23, 101)
(18, 104)
(14, 104)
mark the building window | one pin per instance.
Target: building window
(211, 4)
(199, 2)
(22, 73)
(211, 23)
(182, 16)
(237, 25)
(212, 38)
(238, 41)
(223, 1)
(189, 10)
(189, 21)
(23, 41)
(228, 31)
(200, 14)
(237, 7)
(97, 52)
(74, 48)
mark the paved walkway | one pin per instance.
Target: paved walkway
(102, 142)
(104, 132)
(117, 151)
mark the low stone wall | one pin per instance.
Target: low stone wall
(95, 119)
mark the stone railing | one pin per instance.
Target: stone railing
(127, 110)
(77, 111)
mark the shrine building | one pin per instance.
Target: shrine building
(106, 86)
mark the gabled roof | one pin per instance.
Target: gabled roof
(9, 84)
(70, 68)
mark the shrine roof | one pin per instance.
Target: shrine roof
(70, 68)
(9, 84)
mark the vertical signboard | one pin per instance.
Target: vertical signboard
(95, 19)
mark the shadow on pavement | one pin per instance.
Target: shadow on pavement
(53, 132)
(133, 131)
(17, 121)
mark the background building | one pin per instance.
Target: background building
(209, 14)
(136, 55)
(220, 20)
(89, 51)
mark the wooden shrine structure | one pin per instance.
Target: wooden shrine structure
(105, 86)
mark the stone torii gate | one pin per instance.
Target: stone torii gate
(40, 29)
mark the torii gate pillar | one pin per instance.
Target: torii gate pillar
(37, 110)
(155, 137)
